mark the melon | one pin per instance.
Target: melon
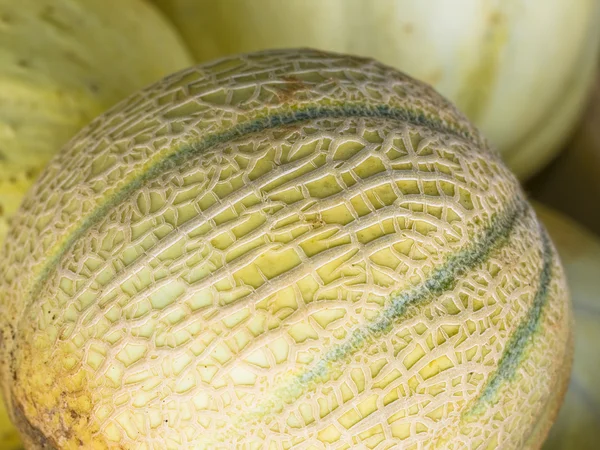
(9, 436)
(579, 250)
(492, 58)
(577, 167)
(62, 63)
(284, 249)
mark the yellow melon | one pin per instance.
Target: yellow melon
(9, 436)
(579, 250)
(288, 249)
(63, 62)
(500, 62)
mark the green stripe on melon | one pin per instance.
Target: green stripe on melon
(483, 60)
(514, 350)
(210, 266)
(441, 280)
(255, 126)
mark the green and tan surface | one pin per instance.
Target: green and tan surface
(62, 63)
(284, 249)
(492, 58)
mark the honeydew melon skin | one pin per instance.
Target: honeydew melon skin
(290, 248)
(579, 251)
(64, 62)
(520, 70)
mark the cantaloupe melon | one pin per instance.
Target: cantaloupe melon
(62, 63)
(519, 69)
(288, 249)
(579, 250)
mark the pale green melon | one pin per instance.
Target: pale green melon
(288, 249)
(519, 69)
(571, 184)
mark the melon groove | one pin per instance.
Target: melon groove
(284, 249)
(256, 126)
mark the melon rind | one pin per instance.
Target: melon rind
(286, 248)
(64, 62)
(579, 250)
(491, 60)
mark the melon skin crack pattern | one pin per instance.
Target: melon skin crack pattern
(284, 249)
(489, 57)
(64, 62)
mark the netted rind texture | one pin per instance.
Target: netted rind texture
(287, 249)
(64, 62)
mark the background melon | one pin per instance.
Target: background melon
(62, 63)
(519, 69)
(284, 249)
(570, 184)
(579, 250)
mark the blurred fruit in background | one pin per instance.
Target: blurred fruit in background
(571, 184)
(577, 425)
(63, 62)
(519, 69)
